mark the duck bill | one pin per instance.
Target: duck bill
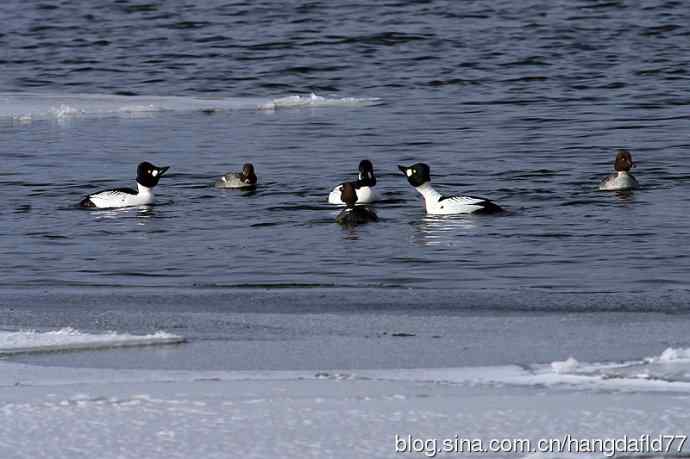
(162, 170)
(403, 169)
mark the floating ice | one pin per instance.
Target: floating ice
(672, 354)
(28, 107)
(313, 100)
(64, 110)
(69, 339)
(566, 366)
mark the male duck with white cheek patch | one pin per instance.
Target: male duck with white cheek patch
(148, 176)
(419, 176)
(364, 186)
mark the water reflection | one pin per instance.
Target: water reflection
(435, 230)
(350, 233)
(124, 212)
(625, 196)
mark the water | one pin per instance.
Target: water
(524, 103)
(560, 233)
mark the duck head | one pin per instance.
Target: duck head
(148, 175)
(623, 161)
(248, 175)
(417, 174)
(366, 173)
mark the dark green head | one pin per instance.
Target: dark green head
(148, 175)
(417, 174)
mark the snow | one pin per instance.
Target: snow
(566, 366)
(85, 413)
(51, 411)
(672, 354)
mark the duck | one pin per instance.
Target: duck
(622, 179)
(148, 176)
(353, 215)
(419, 176)
(245, 179)
(364, 187)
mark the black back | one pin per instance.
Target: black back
(487, 207)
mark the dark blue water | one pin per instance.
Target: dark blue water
(521, 102)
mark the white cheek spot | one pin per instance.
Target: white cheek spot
(409, 172)
(154, 173)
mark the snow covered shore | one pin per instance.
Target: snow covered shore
(81, 412)
(86, 413)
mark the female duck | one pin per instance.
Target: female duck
(245, 179)
(148, 176)
(353, 215)
(622, 179)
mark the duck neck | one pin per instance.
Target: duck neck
(430, 195)
(144, 190)
(365, 181)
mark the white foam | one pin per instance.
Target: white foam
(671, 355)
(566, 366)
(313, 100)
(69, 339)
(64, 110)
(27, 107)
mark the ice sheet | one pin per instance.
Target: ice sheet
(81, 413)
(69, 339)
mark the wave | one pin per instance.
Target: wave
(69, 339)
(33, 106)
